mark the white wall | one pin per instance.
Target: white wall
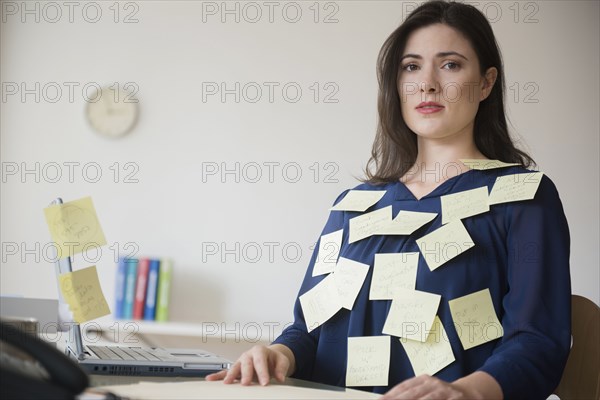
(170, 52)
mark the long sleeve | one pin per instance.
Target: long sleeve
(529, 359)
(296, 336)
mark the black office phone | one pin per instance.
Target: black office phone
(48, 374)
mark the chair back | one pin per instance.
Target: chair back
(581, 378)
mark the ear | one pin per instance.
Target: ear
(487, 82)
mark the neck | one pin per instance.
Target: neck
(438, 159)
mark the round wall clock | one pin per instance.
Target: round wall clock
(113, 113)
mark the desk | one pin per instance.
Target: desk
(197, 388)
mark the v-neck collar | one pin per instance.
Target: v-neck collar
(404, 193)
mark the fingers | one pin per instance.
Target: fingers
(259, 361)
(217, 376)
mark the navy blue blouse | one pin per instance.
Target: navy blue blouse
(521, 254)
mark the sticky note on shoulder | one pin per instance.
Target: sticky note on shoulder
(515, 187)
(81, 290)
(358, 200)
(475, 319)
(368, 361)
(485, 164)
(74, 226)
(369, 224)
(464, 204)
(406, 222)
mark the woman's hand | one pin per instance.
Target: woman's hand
(265, 362)
(478, 385)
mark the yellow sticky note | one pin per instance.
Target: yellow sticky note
(369, 224)
(406, 222)
(445, 243)
(368, 361)
(74, 226)
(475, 319)
(349, 276)
(391, 272)
(411, 313)
(485, 164)
(320, 303)
(430, 356)
(329, 250)
(81, 290)
(515, 187)
(358, 200)
(464, 204)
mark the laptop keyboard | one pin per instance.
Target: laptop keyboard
(123, 353)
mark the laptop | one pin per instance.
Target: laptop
(132, 360)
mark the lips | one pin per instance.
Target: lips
(429, 107)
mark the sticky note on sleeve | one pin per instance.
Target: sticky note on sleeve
(515, 187)
(74, 226)
(81, 290)
(358, 200)
(329, 251)
(475, 319)
(320, 303)
(368, 361)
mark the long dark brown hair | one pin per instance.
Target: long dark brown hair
(395, 147)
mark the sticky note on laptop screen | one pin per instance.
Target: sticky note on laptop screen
(81, 290)
(74, 227)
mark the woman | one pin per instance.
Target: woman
(441, 101)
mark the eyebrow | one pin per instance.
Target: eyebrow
(438, 55)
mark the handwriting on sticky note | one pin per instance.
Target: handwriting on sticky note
(445, 243)
(329, 250)
(515, 187)
(391, 272)
(430, 356)
(358, 200)
(475, 319)
(464, 204)
(74, 227)
(406, 222)
(81, 290)
(368, 361)
(368, 224)
(349, 276)
(411, 314)
(320, 303)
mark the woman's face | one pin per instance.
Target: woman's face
(440, 84)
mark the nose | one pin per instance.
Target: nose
(429, 83)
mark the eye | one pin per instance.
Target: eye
(410, 67)
(451, 65)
